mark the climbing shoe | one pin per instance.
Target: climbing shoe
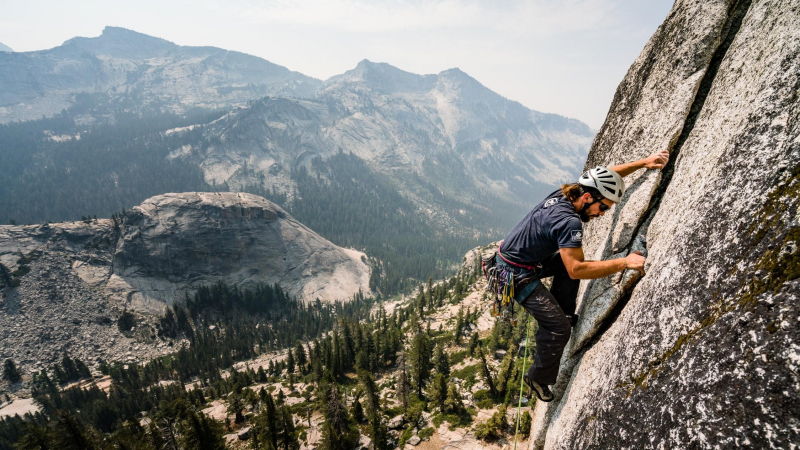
(542, 392)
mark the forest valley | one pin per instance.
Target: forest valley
(262, 370)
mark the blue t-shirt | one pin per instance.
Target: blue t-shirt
(551, 225)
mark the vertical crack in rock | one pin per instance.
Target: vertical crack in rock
(736, 14)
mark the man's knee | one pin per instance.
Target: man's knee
(563, 330)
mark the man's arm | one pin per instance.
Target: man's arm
(655, 161)
(579, 269)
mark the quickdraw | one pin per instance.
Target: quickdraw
(501, 284)
(503, 278)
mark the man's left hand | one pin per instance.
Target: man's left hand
(657, 160)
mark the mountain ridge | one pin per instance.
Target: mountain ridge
(148, 72)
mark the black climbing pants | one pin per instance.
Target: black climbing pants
(551, 309)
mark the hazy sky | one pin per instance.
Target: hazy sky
(565, 57)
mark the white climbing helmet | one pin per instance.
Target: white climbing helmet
(608, 182)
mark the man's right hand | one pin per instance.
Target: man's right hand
(635, 261)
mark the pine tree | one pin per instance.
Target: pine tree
(437, 391)
(287, 438)
(261, 376)
(357, 410)
(266, 424)
(338, 431)
(459, 325)
(487, 374)
(10, 372)
(453, 403)
(505, 378)
(201, 432)
(35, 437)
(421, 303)
(377, 429)
(236, 407)
(71, 435)
(290, 361)
(300, 354)
(403, 383)
(419, 358)
(280, 397)
(441, 362)
(473, 343)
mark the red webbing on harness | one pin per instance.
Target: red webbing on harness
(500, 252)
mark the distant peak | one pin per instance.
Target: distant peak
(5, 48)
(121, 42)
(367, 65)
(110, 32)
(455, 70)
(456, 73)
(384, 77)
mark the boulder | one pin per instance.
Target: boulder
(396, 422)
(467, 443)
(414, 440)
(244, 433)
(364, 443)
(695, 353)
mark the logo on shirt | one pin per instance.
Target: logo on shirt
(577, 235)
(550, 202)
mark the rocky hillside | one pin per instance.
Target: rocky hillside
(64, 285)
(135, 70)
(447, 130)
(703, 351)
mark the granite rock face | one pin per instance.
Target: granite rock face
(173, 241)
(64, 285)
(704, 350)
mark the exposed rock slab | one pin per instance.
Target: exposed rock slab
(702, 352)
(174, 241)
(82, 275)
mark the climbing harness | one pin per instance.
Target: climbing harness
(508, 281)
(522, 378)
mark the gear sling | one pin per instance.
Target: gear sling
(508, 281)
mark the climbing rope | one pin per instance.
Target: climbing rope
(522, 378)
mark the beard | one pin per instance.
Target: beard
(584, 213)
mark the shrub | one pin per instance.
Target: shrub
(525, 425)
(126, 321)
(457, 357)
(494, 427)
(465, 372)
(426, 433)
(483, 399)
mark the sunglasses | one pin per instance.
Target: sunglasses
(603, 206)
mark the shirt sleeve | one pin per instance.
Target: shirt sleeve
(569, 233)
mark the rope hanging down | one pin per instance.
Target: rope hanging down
(522, 378)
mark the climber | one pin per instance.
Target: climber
(548, 243)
